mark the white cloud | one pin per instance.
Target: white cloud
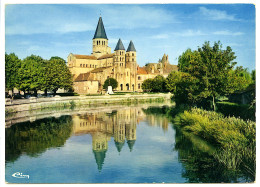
(160, 36)
(229, 33)
(38, 19)
(189, 32)
(213, 14)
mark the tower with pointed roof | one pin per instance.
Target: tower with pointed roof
(100, 40)
(131, 63)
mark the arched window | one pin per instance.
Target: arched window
(97, 42)
(133, 54)
(133, 59)
(120, 59)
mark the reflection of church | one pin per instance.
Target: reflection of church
(102, 126)
(120, 124)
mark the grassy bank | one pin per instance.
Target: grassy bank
(233, 137)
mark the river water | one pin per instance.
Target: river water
(125, 144)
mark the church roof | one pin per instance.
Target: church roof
(84, 77)
(131, 47)
(119, 145)
(141, 70)
(106, 56)
(100, 30)
(100, 157)
(119, 45)
(97, 70)
(85, 57)
(131, 144)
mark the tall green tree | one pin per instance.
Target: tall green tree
(31, 74)
(211, 65)
(172, 80)
(57, 75)
(12, 67)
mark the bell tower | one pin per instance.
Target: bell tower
(131, 64)
(100, 40)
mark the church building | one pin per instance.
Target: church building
(90, 71)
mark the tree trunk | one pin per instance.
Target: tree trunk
(45, 92)
(213, 102)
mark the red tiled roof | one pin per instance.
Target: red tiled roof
(84, 77)
(85, 57)
(141, 70)
(106, 56)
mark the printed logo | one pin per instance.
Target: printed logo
(20, 175)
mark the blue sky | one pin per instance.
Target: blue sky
(57, 30)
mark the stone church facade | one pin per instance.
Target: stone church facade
(90, 71)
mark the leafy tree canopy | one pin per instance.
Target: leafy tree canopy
(110, 82)
(12, 67)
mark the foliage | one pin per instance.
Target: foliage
(172, 80)
(210, 67)
(34, 138)
(31, 74)
(158, 84)
(253, 75)
(238, 110)
(12, 66)
(234, 136)
(110, 82)
(57, 75)
(239, 79)
(147, 85)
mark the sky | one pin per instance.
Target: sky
(60, 29)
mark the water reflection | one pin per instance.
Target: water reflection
(35, 138)
(120, 124)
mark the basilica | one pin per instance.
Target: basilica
(90, 71)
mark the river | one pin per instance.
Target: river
(123, 144)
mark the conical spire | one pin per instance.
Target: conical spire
(100, 30)
(131, 144)
(131, 47)
(100, 157)
(119, 45)
(119, 145)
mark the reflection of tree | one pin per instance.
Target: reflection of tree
(199, 163)
(34, 138)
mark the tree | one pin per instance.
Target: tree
(110, 82)
(31, 74)
(12, 67)
(147, 85)
(172, 80)
(57, 75)
(211, 66)
(253, 75)
(158, 84)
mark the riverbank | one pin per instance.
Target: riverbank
(38, 105)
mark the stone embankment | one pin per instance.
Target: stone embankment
(52, 102)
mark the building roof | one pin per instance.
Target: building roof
(99, 69)
(82, 77)
(169, 68)
(100, 30)
(141, 70)
(85, 57)
(106, 56)
(119, 45)
(131, 47)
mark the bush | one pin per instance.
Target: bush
(234, 137)
(233, 109)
